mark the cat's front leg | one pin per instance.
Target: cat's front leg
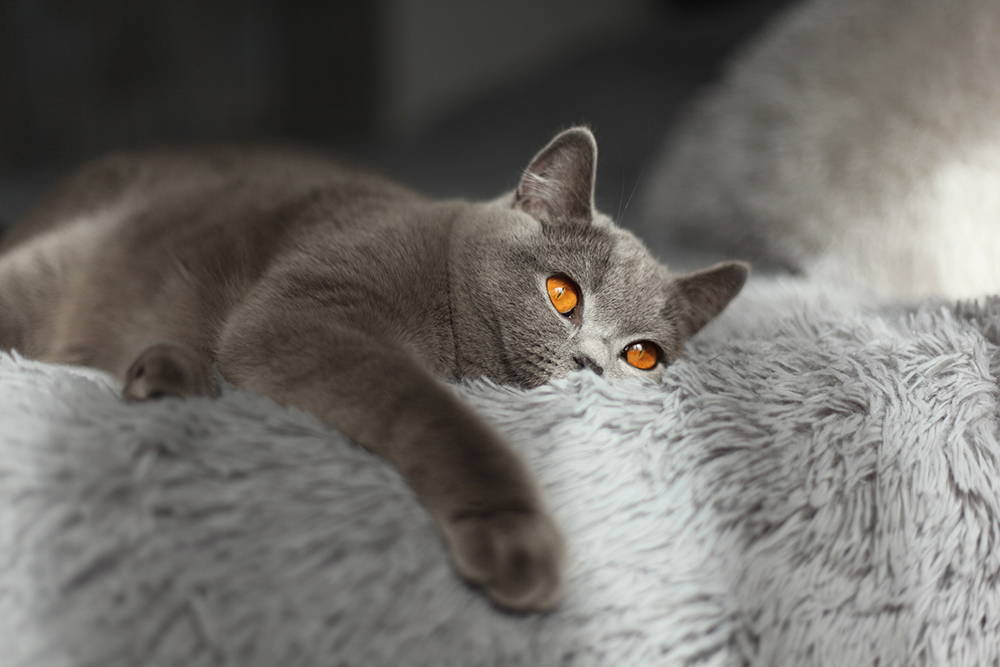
(478, 490)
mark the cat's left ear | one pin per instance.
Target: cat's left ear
(709, 291)
(558, 185)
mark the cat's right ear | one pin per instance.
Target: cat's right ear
(709, 291)
(558, 185)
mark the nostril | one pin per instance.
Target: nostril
(584, 361)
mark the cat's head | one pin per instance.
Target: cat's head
(543, 284)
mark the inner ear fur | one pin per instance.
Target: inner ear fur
(709, 291)
(558, 184)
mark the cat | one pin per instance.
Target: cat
(857, 142)
(348, 296)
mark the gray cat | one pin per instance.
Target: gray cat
(351, 297)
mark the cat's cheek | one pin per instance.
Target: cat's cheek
(651, 376)
(563, 369)
(654, 376)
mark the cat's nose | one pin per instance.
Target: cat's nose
(584, 361)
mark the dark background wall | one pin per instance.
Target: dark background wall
(448, 95)
(83, 77)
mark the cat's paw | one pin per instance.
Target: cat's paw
(169, 369)
(517, 558)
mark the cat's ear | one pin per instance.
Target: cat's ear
(709, 291)
(558, 185)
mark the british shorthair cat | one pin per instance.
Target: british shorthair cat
(353, 298)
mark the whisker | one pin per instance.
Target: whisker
(621, 163)
(642, 171)
(637, 181)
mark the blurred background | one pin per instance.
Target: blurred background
(449, 96)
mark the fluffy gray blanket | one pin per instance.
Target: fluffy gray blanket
(815, 483)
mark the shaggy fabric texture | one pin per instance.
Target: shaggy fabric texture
(815, 483)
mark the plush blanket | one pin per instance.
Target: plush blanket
(814, 483)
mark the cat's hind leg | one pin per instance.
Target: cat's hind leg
(169, 369)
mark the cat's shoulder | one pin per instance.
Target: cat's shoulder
(272, 165)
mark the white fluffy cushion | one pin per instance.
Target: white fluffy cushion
(815, 483)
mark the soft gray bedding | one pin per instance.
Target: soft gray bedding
(815, 483)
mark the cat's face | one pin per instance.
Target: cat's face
(542, 284)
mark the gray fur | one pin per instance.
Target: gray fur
(350, 297)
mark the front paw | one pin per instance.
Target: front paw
(517, 557)
(168, 369)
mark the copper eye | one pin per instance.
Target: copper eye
(643, 354)
(563, 294)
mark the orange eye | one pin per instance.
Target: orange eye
(563, 294)
(642, 355)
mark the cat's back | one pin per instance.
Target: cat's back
(179, 183)
(219, 216)
(137, 242)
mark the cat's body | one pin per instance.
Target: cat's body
(193, 233)
(350, 297)
(858, 142)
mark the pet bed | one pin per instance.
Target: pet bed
(814, 483)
